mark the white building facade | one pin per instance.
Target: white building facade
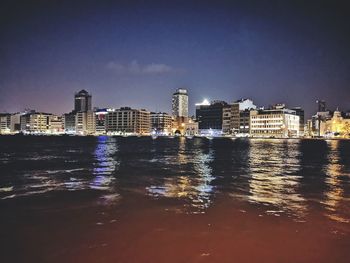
(277, 123)
(180, 103)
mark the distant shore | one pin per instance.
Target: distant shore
(173, 136)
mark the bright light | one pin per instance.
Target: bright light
(205, 102)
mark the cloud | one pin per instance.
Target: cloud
(134, 67)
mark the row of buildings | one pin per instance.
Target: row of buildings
(242, 118)
(328, 124)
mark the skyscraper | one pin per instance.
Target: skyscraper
(180, 103)
(82, 101)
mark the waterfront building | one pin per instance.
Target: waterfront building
(319, 121)
(308, 129)
(68, 120)
(236, 117)
(300, 112)
(15, 122)
(128, 121)
(226, 119)
(191, 128)
(82, 101)
(5, 123)
(161, 123)
(100, 121)
(244, 122)
(85, 122)
(56, 124)
(35, 122)
(180, 103)
(210, 117)
(276, 122)
(338, 126)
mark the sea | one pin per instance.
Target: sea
(144, 199)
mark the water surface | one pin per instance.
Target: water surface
(109, 199)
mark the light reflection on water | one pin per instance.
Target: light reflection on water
(283, 177)
(334, 195)
(105, 167)
(197, 189)
(274, 178)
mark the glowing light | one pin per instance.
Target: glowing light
(205, 102)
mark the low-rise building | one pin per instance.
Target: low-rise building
(277, 122)
(191, 128)
(338, 126)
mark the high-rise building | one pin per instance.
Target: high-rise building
(180, 103)
(210, 116)
(82, 101)
(128, 121)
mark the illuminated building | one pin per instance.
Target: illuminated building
(180, 103)
(191, 128)
(236, 117)
(100, 121)
(5, 123)
(15, 125)
(85, 122)
(319, 123)
(210, 117)
(68, 120)
(276, 122)
(56, 124)
(82, 101)
(35, 122)
(226, 119)
(128, 121)
(337, 126)
(161, 123)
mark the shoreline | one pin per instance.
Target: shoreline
(173, 137)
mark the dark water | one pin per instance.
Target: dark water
(104, 199)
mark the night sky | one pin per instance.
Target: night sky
(136, 53)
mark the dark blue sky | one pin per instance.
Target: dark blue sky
(136, 53)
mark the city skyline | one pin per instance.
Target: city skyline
(136, 54)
